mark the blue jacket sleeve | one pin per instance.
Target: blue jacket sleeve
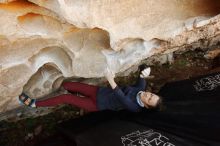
(141, 84)
(127, 102)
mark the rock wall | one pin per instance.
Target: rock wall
(43, 42)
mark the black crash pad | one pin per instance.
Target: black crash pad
(190, 116)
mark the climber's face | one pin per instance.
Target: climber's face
(149, 99)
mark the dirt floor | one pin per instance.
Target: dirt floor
(33, 130)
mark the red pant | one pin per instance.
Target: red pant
(87, 103)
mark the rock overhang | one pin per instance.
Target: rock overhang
(82, 38)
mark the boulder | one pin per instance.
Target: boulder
(43, 42)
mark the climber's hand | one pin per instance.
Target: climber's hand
(145, 72)
(109, 75)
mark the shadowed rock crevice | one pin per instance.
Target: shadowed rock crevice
(52, 55)
(46, 80)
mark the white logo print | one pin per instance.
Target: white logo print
(145, 138)
(207, 83)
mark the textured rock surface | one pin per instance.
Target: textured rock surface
(44, 41)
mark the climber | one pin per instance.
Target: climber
(133, 98)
